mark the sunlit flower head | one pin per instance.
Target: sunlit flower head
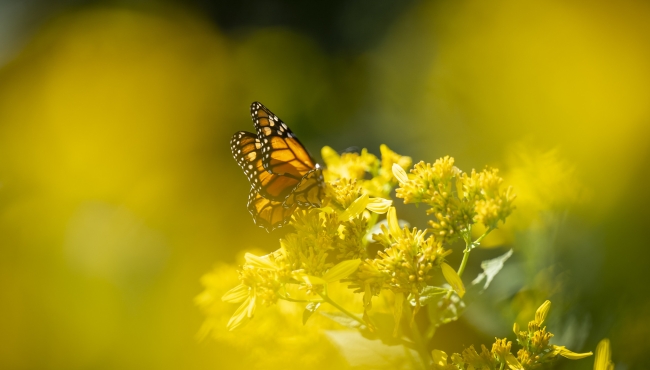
(351, 166)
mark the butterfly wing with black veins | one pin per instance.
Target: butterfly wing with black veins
(246, 149)
(267, 213)
(282, 174)
(283, 153)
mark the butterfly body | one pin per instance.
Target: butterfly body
(282, 174)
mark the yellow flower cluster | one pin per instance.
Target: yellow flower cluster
(456, 199)
(405, 262)
(355, 166)
(328, 242)
(535, 352)
(331, 244)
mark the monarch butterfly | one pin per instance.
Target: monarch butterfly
(282, 174)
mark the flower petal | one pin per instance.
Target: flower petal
(236, 294)
(379, 205)
(238, 317)
(260, 262)
(513, 363)
(341, 270)
(542, 312)
(355, 208)
(393, 224)
(453, 279)
(562, 351)
(603, 359)
(400, 174)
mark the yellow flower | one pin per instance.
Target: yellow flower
(390, 159)
(351, 166)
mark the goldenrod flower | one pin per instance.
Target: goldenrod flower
(329, 244)
(501, 348)
(535, 342)
(407, 256)
(351, 166)
(484, 360)
(456, 199)
(389, 159)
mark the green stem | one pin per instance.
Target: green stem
(371, 222)
(340, 308)
(469, 245)
(461, 269)
(297, 300)
(417, 337)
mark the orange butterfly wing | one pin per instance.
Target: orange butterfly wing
(268, 214)
(246, 149)
(283, 153)
(282, 174)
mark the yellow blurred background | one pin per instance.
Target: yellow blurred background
(118, 190)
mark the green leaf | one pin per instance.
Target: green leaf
(341, 270)
(309, 310)
(430, 294)
(383, 325)
(445, 311)
(397, 311)
(491, 268)
(342, 319)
